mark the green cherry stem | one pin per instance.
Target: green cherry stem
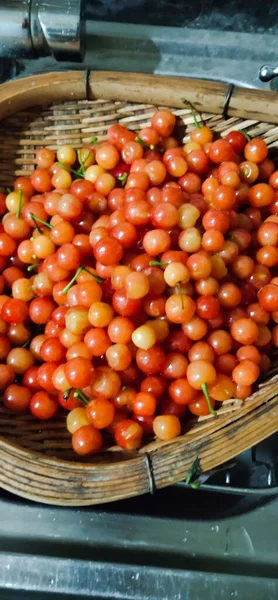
(151, 147)
(67, 394)
(86, 157)
(78, 173)
(19, 204)
(26, 345)
(193, 472)
(181, 294)
(193, 113)
(96, 277)
(157, 263)
(37, 220)
(76, 275)
(93, 140)
(248, 137)
(78, 394)
(32, 267)
(140, 141)
(122, 178)
(71, 282)
(36, 224)
(206, 394)
(82, 161)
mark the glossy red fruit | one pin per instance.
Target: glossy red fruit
(220, 151)
(129, 434)
(101, 412)
(17, 398)
(268, 297)
(86, 440)
(79, 372)
(43, 406)
(238, 140)
(68, 401)
(14, 311)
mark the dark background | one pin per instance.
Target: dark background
(254, 16)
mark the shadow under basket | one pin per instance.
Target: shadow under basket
(36, 459)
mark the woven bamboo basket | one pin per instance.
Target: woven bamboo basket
(36, 460)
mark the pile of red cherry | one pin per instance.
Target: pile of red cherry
(139, 281)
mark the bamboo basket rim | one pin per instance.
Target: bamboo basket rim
(225, 98)
(215, 98)
(133, 455)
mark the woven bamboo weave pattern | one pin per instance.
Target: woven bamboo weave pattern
(36, 458)
(75, 123)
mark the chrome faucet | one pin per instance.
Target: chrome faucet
(36, 28)
(267, 73)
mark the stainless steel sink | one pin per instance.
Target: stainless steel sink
(57, 553)
(178, 544)
(229, 56)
